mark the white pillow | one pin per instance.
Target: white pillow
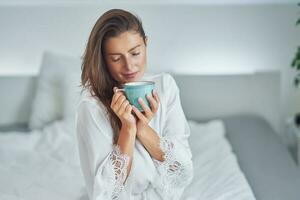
(203, 133)
(47, 104)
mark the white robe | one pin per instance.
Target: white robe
(104, 167)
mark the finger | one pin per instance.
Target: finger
(145, 107)
(116, 105)
(115, 98)
(114, 101)
(115, 89)
(123, 107)
(153, 103)
(119, 102)
(128, 108)
(155, 94)
(139, 114)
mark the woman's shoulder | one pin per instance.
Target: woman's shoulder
(89, 102)
(92, 115)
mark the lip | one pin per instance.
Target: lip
(130, 75)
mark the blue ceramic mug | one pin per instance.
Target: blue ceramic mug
(136, 89)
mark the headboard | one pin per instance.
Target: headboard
(203, 97)
(206, 97)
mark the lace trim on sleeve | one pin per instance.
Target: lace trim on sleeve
(172, 170)
(119, 164)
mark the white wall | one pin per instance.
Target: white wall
(180, 37)
(189, 38)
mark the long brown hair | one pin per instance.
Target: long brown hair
(95, 75)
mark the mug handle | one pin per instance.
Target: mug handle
(119, 89)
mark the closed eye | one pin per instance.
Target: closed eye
(136, 53)
(115, 59)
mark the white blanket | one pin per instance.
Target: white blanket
(44, 165)
(41, 165)
(217, 175)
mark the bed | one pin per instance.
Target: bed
(237, 153)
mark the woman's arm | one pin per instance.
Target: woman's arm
(150, 139)
(126, 139)
(172, 158)
(105, 165)
(126, 142)
(171, 145)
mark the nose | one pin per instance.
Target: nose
(128, 63)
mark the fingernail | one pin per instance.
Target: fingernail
(139, 99)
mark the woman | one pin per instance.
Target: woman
(126, 154)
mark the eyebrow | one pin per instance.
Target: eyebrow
(128, 50)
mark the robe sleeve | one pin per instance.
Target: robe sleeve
(103, 166)
(176, 171)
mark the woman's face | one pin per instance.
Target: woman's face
(125, 56)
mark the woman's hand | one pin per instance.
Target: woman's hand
(145, 117)
(120, 105)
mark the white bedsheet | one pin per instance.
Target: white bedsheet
(44, 165)
(217, 175)
(41, 165)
